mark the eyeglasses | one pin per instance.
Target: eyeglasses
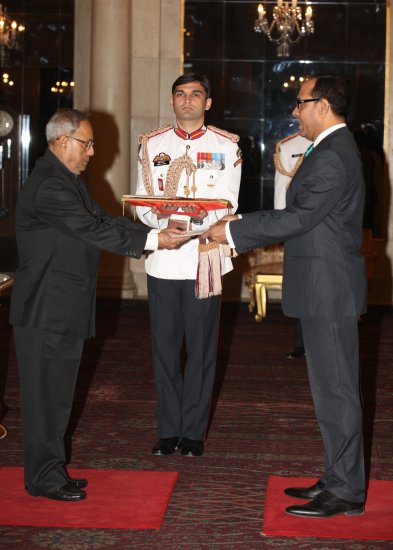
(301, 101)
(87, 143)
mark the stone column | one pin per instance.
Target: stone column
(157, 42)
(127, 54)
(110, 104)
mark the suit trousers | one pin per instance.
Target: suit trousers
(298, 334)
(332, 354)
(183, 398)
(48, 368)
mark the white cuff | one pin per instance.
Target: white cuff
(152, 240)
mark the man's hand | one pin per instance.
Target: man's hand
(177, 224)
(194, 211)
(216, 233)
(229, 218)
(171, 238)
(161, 214)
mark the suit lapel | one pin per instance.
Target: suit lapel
(306, 163)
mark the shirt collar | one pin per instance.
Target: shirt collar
(328, 131)
(194, 135)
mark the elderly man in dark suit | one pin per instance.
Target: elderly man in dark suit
(324, 285)
(60, 231)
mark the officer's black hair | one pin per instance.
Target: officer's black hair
(186, 78)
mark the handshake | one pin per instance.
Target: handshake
(176, 233)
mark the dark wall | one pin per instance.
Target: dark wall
(248, 78)
(45, 57)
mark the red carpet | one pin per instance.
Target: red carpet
(116, 499)
(376, 523)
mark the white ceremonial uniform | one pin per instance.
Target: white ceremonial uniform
(213, 157)
(288, 156)
(218, 178)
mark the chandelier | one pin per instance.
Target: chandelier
(9, 34)
(288, 25)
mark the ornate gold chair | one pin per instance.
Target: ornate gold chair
(264, 272)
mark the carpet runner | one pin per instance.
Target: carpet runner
(116, 499)
(375, 523)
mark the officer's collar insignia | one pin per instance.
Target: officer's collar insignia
(194, 135)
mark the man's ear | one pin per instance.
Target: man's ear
(62, 141)
(325, 105)
(208, 103)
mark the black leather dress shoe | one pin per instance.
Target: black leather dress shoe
(326, 505)
(67, 492)
(166, 446)
(296, 353)
(192, 447)
(305, 493)
(78, 482)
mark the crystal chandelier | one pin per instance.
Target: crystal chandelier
(288, 25)
(9, 34)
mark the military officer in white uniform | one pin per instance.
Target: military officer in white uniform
(287, 159)
(188, 160)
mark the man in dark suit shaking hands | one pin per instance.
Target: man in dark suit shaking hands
(60, 231)
(324, 285)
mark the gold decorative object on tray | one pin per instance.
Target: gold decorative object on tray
(162, 203)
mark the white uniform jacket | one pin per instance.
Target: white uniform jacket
(218, 177)
(288, 156)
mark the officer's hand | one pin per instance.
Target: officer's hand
(171, 238)
(197, 213)
(161, 213)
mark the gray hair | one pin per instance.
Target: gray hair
(64, 122)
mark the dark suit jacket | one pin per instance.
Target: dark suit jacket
(60, 232)
(324, 272)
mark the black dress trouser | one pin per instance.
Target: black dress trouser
(183, 400)
(48, 367)
(332, 354)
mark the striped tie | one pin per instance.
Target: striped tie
(308, 151)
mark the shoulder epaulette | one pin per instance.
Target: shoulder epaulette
(278, 161)
(288, 138)
(153, 133)
(233, 137)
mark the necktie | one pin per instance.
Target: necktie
(308, 151)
